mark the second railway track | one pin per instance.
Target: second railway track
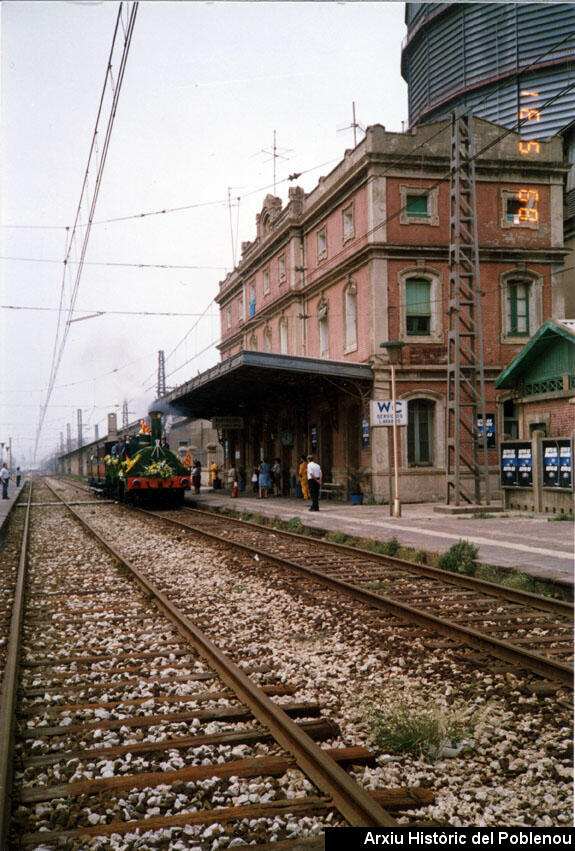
(526, 630)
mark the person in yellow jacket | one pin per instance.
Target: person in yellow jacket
(302, 473)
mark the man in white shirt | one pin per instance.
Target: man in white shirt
(314, 480)
(5, 478)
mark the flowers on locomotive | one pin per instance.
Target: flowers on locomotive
(111, 460)
(160, 470)
(127, 464)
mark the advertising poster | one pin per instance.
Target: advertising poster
(525, 467)
(365, 433)
(557, 464)
(516, 465)
(508, 466)
(489, 429)
(550, 465)
(566, 466)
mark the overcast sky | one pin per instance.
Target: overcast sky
(206, 86)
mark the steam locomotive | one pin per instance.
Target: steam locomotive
(140, 470)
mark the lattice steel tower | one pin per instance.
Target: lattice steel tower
(161, 390)
(467, 466)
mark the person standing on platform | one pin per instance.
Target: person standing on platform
(196, 475)
(314, 480)
(265, 479)
(302, 473)
(4, 478)
(18, 476)
(277, 476)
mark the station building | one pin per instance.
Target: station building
(363, 259)
(536, 394)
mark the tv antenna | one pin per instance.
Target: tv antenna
(234, 236)
(355, 125)
(276, 154)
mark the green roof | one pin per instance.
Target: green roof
(538, 349)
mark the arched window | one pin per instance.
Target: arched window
(420, 305)
(420, 432)
(521, 304)
(350, 317)
(417, 307)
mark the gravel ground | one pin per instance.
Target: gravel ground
(61, 556)
(516, 765)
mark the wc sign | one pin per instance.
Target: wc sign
(382, 413)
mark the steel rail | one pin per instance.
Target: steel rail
(513, 595)
(10, 683)
(504, 650)
(492, 589)
(351, 800)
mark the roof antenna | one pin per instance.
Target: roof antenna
(275, 154)
(355, 125)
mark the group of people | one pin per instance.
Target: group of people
(266, 479)
(5, 479)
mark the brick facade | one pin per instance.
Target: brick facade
(363, 258)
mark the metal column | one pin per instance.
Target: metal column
(467, 464)
(161, 389)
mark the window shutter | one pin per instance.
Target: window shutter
(417, 297)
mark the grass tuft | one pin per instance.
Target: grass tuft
(337, 537)
(294, 524)
(460, 558)
(404, 729)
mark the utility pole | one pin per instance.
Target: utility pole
(465, 369)
(80, 429)
(124, 415)
(80, 444)
(161, 389)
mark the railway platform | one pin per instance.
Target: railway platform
(535, 544)
(6, 504)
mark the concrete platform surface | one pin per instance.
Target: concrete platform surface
(534, 544)
(6, 504)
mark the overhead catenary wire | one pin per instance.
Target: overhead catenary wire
(62, 331)
(84, 262)
(105, 312)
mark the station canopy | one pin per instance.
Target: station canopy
(248, 382)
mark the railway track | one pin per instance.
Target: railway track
(525, 630)
(131, 720)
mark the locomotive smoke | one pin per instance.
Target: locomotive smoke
(160, 406)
